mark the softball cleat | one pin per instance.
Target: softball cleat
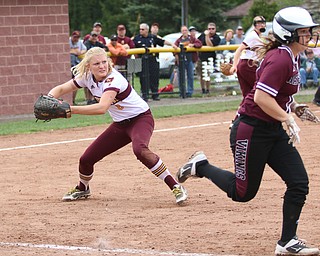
(180, 193)
(189, 169)
(75, 194)
(295, 247)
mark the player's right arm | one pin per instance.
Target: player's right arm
(236, 58)
(62, 89)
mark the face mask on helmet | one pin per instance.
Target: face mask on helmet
(288, 20)
(262, 30)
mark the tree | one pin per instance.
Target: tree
(260, 8)
(131, 13)
(314, 8)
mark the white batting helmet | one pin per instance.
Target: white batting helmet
(288, 20)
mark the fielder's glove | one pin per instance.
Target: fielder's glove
(47, 108)
(225, 68)
(304, 113)
(293, 131)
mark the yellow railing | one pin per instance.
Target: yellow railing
(188, 49)
(171, 49)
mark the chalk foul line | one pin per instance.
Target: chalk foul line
(86, 249)
(90, 139)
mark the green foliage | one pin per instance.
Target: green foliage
(131, 13)
(260, 8)
(286, 3)
(267, 9)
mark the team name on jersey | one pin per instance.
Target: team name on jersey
(295, 80)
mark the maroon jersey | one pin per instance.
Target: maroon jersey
(282, 86)
(122, 60)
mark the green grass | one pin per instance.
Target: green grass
(31, 126)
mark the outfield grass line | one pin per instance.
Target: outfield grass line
(104, 251)
(86, 139)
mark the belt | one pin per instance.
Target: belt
(261, 123)
(129, 120)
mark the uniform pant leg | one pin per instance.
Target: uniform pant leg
(303, 76)
(190, 76)
(250, 144)
(143, 78)
(140, 132)
(286, 161)
(154, 76)
(112, 139)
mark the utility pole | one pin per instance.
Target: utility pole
(184, 12)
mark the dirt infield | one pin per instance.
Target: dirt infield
(131, 212)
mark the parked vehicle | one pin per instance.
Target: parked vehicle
(167, 59)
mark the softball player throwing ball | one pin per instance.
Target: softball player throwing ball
(258, 138)
(133, 121)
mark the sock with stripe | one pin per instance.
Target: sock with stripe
(84, 181)
(161, 171)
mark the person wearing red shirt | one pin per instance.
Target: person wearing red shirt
(97, 27)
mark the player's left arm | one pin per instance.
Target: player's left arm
(269, 105)
(303, 112)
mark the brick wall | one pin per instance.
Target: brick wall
(34, 52)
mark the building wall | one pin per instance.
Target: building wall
(34, 52)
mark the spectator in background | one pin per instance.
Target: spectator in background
(227, 40)
(190, 57)
(193, 31)
(127, 43)
(209, 38)
(97, 27)
(143, 40)
(123, 39)
(77, 48)
(93, 41)
(197, 64)
(155, 29)
(117, 50)
(238, 36)
(309, 69)
(90, 43)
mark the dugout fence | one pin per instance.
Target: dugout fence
(141, 65)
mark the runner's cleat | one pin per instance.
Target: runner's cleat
(180, 193)
(189, 169)
(75, 194)
(295, 247)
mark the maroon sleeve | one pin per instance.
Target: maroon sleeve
(131, 43)
(86, 37)
(197, 43)
(274, 64)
